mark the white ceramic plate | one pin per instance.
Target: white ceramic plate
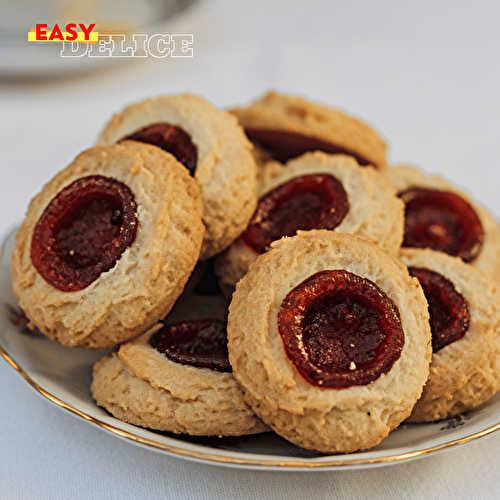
(63, 376)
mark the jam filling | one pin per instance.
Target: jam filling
(200, 343)
(309, 202)
(83, 232)
(449, 314)
(170, 138)
(282, 146)
(441, 221)
(340, 330)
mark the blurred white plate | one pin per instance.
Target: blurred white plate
(63, 376)
(22, 60)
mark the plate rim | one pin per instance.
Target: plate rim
(317, 463)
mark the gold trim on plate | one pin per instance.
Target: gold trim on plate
(244, 462)
(323, 462)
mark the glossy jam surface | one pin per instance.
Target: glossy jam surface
(449, 314)
(441, 221)
(340, 330)
(283, 146)
(170, 138)
(200, 343)
(308, 202)
(83, 232)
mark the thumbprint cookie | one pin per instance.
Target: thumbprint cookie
(479, 389)
(282, 127)
(107, 245)
(213, 148)
(441, 217)
(177, 378)
(329, 338)
(315, 191)
(464, 320)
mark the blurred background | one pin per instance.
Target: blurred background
(424, 74)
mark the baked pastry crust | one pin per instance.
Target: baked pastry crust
(225, 167)
(328, 420)
(141, 386)
(278, 112)
(404, 177)
(465, 372)
(375, 212)
(479, 389)
(149, 276)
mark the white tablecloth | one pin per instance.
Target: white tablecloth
(425, 75)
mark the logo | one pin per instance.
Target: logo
(83, 40)
(41, 33)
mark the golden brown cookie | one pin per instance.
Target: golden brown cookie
(479, 389)
(316, 191)
(93, 268)
(440, 216)
(329, 338)
(283, 127)
(154, 389)
(465, 325)
(212, 146)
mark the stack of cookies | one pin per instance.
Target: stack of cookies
(264, 269)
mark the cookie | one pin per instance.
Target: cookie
(442, 217)
(107, 245)
(316, 191)
(283, 127)
(181, 385)
(465, 325)
(479, 389)
(211, 144)
(329, 338)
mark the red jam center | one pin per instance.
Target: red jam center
(442, 221)
(304, 203)
(449, 314)
(170, 138)
(83, 232)
(200, 343)
(283, 146)
(340, 330)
